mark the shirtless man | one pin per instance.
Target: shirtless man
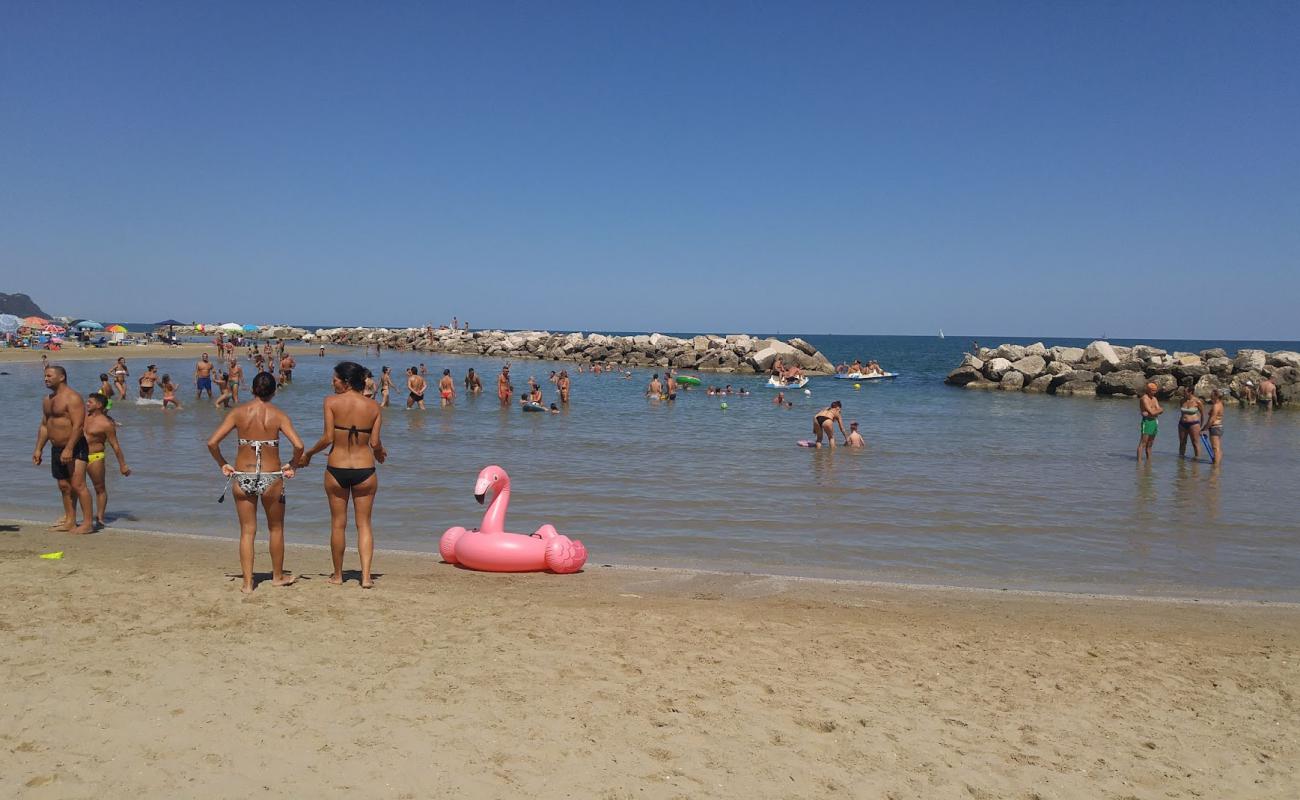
(63, 421)
(855, 439)
(504, 389)
(446, 388)
(1267, 393)
(656, 389)
(1214, 425)
(286, 369)
(236, 378)
(473, 384)
(417, 386)
(101, 431)
(203, 377)
(147, 381)
(1150, 408)
(824, 423)
(562, 383)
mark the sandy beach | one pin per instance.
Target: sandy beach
(132, 353)
(134, 667)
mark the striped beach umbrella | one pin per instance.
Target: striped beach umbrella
(50, 327)
(115, 329)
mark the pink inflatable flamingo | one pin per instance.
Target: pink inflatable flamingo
(490, 548)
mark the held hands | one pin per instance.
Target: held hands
(304, 462)
(288, 470)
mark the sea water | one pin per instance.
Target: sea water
(957, 487)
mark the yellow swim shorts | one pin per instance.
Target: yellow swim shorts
(95, 457)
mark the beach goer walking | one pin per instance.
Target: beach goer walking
(1214, 425)
(1150, 408)
(416, 386)
(258, 473)
(446, 388)
(234, 379)
(1190, 411)
(352, 433)
(385, 385)
(147, 381)
(504, 388)
(63, 425)
(120, 373)
(203, 377)
(824, 423)
(101, 433)
(106, 389)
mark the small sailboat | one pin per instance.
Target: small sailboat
(941, 333)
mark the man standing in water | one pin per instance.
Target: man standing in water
(504, 389)
(101, 431)
(203, 377)
(446, 388)
(286, 368)
(416, 386)
(1150, 408)
(63, 422)
(236, 378)
(655, 390)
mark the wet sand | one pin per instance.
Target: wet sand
(134, 667)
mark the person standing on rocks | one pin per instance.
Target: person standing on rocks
(1150, 408)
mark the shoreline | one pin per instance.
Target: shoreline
(145, 352)
(621, 682)
(864, 583)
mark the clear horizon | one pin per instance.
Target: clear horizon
(1126, 170)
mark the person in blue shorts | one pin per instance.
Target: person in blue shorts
(203, 377)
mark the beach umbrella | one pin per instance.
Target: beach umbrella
(233, 326)
(52, 328)
(115, 329)
(250, 328)
(89, 325)
(168, 323)
(9, 323)
(36, 322)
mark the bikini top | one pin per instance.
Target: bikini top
(353, 432)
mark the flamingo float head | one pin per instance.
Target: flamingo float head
(491, 479)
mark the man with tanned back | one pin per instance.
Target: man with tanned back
(203, 377)
(1150, 408)
(63, 421)
(236, 377)
(101, 433)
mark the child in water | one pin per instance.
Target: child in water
(169, 393)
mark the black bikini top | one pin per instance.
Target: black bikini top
(353, 431)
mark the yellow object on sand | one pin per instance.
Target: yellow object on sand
(52, 555)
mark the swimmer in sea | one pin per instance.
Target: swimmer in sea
(446, 389)
(101, 432)
(287, 364)
(63, 425)
(824, 423)
(562, 383)
(1150, 409)
(1214, 425)
(473, 384)
(504, 388)
(203, 377)
(259, 425)
(655, 390)
(417, 386)
(352, 426)
(779, 399)
(854, 438)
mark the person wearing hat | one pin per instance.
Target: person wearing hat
(1150, 408)
(1248, 393)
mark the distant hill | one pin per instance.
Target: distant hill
(20, 305)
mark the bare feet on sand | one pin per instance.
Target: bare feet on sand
(287, 579)
(246, 588)
(337, 580)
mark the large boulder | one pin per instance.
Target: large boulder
(1030, 366)
(1068, 355)
(1166, 385)
(981, 384)
(1187, 360)
(1070, 376)
(1285, 358)
(1208, 383)
(1101, 350)
(1036, 349)
(1126, 382)
(1144, 351)
(701, 343)
(969, 360)
(1077, 389)
(1058, 368)
(1160, 363)
(1012, 381)
(995, 368)
(803, 347)
(1214, 352)
(763, 359)
(1249, 360)
(1040, 384)
(1011, 352)
(1190, 372)
(1219, 365)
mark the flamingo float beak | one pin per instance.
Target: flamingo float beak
(480, 497)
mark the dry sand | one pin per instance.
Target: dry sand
(134, 354)
(135, 668)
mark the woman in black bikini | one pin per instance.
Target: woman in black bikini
(824, 423)
(352, 424)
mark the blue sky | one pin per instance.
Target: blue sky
(1039, 169)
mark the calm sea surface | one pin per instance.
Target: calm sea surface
(957, 487)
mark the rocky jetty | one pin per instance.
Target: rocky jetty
(1111, 370)
(737, 353)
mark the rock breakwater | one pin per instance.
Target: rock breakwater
(1112, 370)
(736, 353)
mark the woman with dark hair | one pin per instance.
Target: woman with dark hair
(385, 385)
(259, 424)
(824, 423)
(352, 423)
